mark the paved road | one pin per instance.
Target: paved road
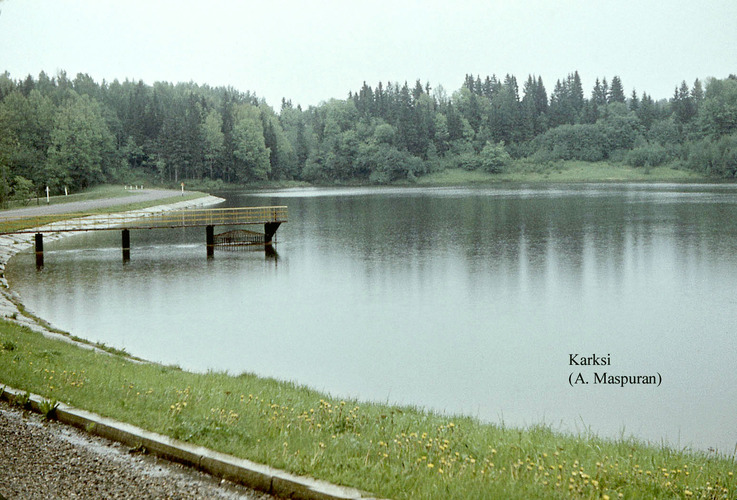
(88, 205)
(43, 459)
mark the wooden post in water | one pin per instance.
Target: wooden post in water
(39, 250)
(126, 245)
(210, 232)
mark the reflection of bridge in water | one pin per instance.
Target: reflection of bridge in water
(270, 217)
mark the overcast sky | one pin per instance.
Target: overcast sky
(311, 51)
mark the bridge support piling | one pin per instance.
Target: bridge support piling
(269, 231)
(39, 250)
(210, 233)
(126, 245)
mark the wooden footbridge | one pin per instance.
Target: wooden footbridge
(270, 217)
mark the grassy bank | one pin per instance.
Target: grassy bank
(518, 171)
(390, 451)
(569, 171)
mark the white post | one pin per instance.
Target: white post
(182, 189)
(47, 195)
(66, 193)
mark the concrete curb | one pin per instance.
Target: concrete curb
(238, 470)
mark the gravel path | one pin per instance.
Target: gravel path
(82, 206)
(46, 459)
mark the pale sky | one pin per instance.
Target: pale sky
(311, 51)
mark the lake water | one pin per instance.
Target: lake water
(461, 300)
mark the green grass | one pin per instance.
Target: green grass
(396, 452)
(571, 171)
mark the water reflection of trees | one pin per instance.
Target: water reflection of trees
(520, 238)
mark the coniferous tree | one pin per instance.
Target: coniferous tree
(380, 102)
(27, 85)
(646, 112)
(634, 102)
(599, 93)
(270, 141)
(682, 104)
(469, 83)
(616, 91)
(575, 92)
(541, 97)
(697, 95)
(589, 113)
(534, 107)
(561, 110)
(506, 117)
(605, 90)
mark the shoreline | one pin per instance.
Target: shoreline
(11, 304)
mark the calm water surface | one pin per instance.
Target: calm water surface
(462, 300)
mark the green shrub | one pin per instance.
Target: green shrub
(468, 161)
(494, 158)
(651, 155)
(22, 189)
(714, 157)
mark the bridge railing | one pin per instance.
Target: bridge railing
(154, 219)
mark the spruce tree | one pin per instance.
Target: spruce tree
(616, 91)
(682, 104)
(697, 93)
(634, 102)
(575, 90)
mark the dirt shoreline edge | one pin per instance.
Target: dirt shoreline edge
(11, 244)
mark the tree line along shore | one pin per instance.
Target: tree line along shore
(73, 133)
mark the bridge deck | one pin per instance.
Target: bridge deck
(175, 219)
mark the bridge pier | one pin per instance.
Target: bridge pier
(126, 245)
(269, 231)
(210, 235)
(39, 250)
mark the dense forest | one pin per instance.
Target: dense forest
(76, 133)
